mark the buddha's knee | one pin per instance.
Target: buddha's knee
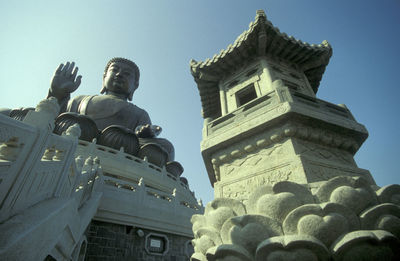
(165, 144)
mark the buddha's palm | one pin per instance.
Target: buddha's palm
(65, 80)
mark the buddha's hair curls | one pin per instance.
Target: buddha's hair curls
(134, 67)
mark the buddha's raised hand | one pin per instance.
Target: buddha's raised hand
(65, 80)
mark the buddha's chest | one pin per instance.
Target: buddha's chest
(103, 106)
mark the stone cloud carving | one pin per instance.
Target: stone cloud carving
(344, 217)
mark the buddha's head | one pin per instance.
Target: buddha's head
(121, 78)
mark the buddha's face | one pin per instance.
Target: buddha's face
(119, 79)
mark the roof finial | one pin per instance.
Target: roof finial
(260, 13)
(326, 43)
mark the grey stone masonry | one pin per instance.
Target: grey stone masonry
(114, 242)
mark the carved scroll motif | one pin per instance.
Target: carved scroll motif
(325, 153)
(241, 189)
(251, 162)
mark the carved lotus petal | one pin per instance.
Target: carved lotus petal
(203, 244)
(206, 238)
(294, 255)
(276, 201)
(302, 193)
(249, 230)
(366, 245)
(198, 257)
(292, 248)
(88, 127)
(217, 218)
(325, 190)
(325, 221)
(389, 194)
(384, 217)
(326, 228)
(251, 204)
(236, 206)
(277, 206)
(228, 253)
(19, 114)
(221, 209)
(198, 222)
(356, 199)
(389, 223)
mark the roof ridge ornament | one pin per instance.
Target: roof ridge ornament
(261, 39)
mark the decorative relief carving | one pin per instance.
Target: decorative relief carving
(316, 172)
(251, 161)
(13, 138)
(322, 152)
(43, 180)
(310, 137)
(6, 133)
(241, 189)
(321, 173)
(345, 219)
(281, 109)
(10, 149)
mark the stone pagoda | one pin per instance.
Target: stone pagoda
(281, 160)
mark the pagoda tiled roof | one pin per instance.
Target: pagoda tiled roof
(261, 39)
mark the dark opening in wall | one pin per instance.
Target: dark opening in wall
(290, 85)
(128, 229)
(251, 72)
(49, 258)
(246, 94)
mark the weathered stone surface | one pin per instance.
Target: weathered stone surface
(315, 227)
(119, 242)
(367, 245)
(286, 157)
(292, 248)
(52, 186)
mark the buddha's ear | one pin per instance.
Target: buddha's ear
(103, 90)
(130, 96)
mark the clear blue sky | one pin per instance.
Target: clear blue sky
(162, 36)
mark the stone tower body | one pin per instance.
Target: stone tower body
(281, 160)
(263, 122)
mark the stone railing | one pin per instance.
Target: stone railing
(127, 166)
(34, 165)
(51, 187)
(273, 101)
(44, 190)
(141, 194)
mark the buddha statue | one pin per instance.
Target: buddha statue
(120, 80)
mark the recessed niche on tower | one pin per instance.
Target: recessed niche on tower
(246, 95)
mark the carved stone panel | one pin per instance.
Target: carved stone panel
(241, 188)
(251, 163)
(316, 171)
(324, 153)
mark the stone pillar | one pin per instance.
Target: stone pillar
(281, 160)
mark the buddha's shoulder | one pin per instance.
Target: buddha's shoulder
(79, 98)
(134, 108)
(107, 100)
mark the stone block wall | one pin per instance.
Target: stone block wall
(114, 242)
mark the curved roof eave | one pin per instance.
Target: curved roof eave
(261, 39)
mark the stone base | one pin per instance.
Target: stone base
(344, 218)
(112, 242)
(283, 156)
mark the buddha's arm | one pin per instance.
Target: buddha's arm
(63, 102)
(144, 118)
(64, 82)
(144, 128)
